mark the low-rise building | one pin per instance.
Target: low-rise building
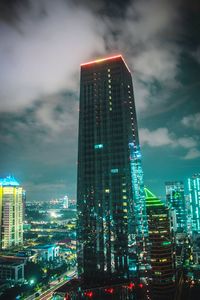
(27, 255)
(11, 270)
(46, 252)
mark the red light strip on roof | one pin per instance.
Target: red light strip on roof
(101, 59)
(104, 59)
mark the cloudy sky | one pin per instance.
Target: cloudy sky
(43, 42)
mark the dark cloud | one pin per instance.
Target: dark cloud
(41, 54)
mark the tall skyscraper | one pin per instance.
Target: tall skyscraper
(161, 248)
(110, 196)
(175, 198)
(11, 213)
(194, 196)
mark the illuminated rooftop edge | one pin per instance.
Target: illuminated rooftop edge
(105, 59)
(8, 181)
(151, 199)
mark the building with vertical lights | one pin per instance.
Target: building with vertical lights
(194, 199)
(110, 196)
(11, 213)
(65, 202)
(175, 198)
(161, 248)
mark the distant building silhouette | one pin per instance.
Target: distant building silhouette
(175, 198)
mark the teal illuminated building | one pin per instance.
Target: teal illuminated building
(175, 199)
(194, 199)
(110, 195)
(161, 249)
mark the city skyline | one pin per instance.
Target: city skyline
(40, 58)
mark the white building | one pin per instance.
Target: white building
(47, 252)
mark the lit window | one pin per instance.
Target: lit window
(124, 197)
(166, 243)
(163, 260)
(98, 146)
(107, 191)
(157, 273)
(114, 171)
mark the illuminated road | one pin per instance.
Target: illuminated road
(46, 295)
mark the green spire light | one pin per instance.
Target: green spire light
(151, 199)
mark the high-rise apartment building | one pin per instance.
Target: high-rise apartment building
(161, 248)
(175, 199)
(110, 196)
(194, 198)
(11, 213)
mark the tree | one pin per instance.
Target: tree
(33, 272)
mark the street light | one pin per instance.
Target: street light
(32, 281)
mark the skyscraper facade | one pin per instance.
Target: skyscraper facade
(194, 198)
(161, 248)
(11, 213)
(110, 196)
(175, 198)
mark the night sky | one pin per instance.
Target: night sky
(42, 44)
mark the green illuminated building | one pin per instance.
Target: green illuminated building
(161, 248)
(175, 198)
(110, 195)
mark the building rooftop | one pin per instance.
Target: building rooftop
(151, 199)
(105, 59)
(45, 246)
(102, 59)
(9, 181)
(12, 263)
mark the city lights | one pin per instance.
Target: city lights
(100, 150)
